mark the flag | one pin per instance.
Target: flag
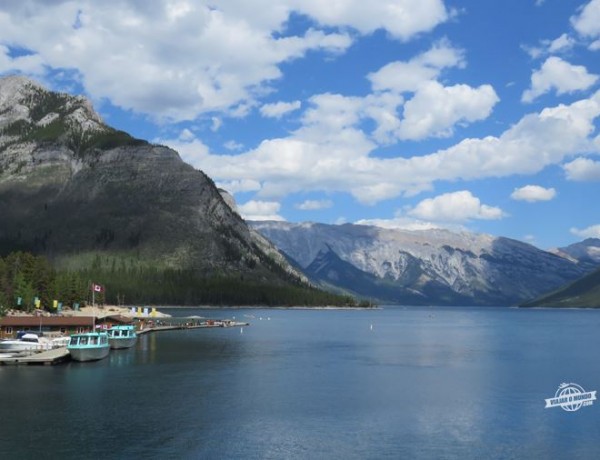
(97, 288)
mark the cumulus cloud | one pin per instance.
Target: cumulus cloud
(175, 59)
(587, 22)
(562, 43)
(583, 169)
(590, 232)
(260, 210)
(407, 76)
(314, 205)
(279, 109)
(532, 193)
(331, 153)
(557, 74)
(435, 109)
(459, 206)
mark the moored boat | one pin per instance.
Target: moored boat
(89, 346)
(122, 337)
(26, 342)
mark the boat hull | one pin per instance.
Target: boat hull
(89, 353)
(90, 346)
(120, 343)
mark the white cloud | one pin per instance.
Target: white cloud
(239, 186)
(216, 124)
(587, 22)
(314, 205)
(260, 210)
(583, 169)
(562, 43)
(401, 18)
(186, 135)
(233, 145)
(532, 193)
(435, 109)
(279, 109)
(31, 64)
(331, 153)
(192, 151)
(455, 207)
(589, 232)
(176, 59)
(558, 75)
(401, 76)
(401, 223)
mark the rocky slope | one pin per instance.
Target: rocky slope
(72, 187)
(582, 293)
(585, 253)
(421, 267)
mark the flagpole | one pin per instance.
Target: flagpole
(93, 307)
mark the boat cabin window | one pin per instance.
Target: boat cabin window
(93, 340)
(83, 341)
(74, 341)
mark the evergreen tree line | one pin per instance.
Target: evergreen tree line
(27, 277)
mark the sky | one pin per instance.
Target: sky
(473, 115)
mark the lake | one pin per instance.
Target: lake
(397, 382)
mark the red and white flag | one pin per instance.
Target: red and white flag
(97, 288)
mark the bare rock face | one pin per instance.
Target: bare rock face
(426, 267)
(72, 186)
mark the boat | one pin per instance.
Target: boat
(89, 346)
(122, 337)
(26, 342)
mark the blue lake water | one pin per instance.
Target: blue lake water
(456, 383)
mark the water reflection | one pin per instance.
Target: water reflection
(433, 383)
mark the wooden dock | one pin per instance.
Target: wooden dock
(60, 355)
(44, 358)
(173, 327)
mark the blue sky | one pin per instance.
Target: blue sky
(465, 114)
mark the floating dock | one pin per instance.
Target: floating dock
(44, 358)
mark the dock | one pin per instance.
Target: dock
(60, 355)
(201, 325)
(44, 358)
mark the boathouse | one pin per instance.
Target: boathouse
(65, 325)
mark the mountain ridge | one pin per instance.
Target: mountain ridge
(442, 266)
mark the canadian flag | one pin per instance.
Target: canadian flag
(97, 288)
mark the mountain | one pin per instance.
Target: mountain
(583, 293)
(585, 253)
(421, 267)
(84, 194)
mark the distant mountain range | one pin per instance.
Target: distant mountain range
(428, 267)
(82, 193)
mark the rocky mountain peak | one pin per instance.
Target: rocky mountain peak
(28, 110)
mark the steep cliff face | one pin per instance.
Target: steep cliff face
(72, 187)
(421, 267)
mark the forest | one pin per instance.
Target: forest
(26, 278)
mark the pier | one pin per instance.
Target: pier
(61, 355)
